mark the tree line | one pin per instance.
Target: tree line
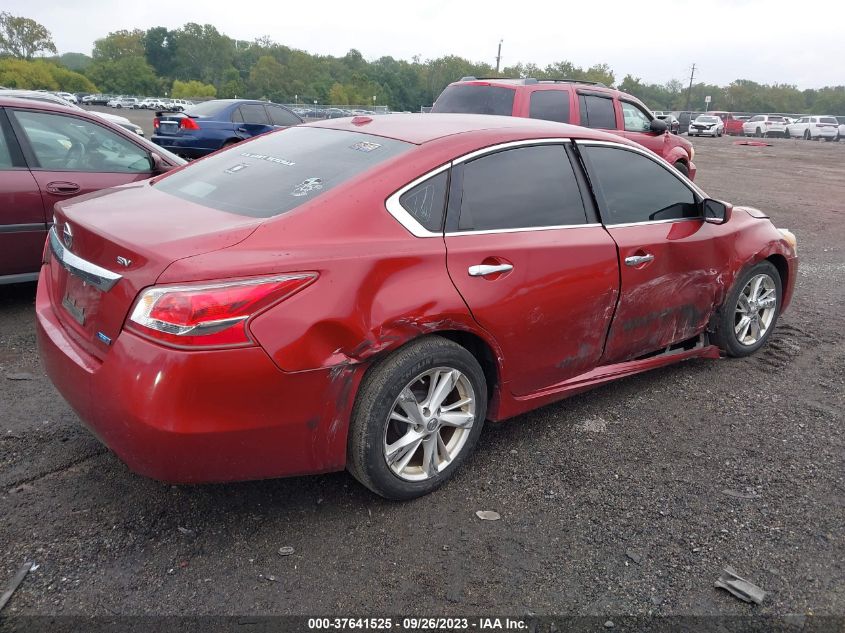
(197, 60)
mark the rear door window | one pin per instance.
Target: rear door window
(471, 99)
(527, 187)
(278, 172)
(597, 112)
(550, 105)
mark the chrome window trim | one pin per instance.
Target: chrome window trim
(523, 230)
(402, 216)
(670, 221)
(99, 277)
(509, 145)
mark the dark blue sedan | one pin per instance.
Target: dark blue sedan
(209, 126)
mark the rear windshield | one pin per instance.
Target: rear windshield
(776, 118)
(827, 119)
(475, 100)
(280, 171)
(209, 108)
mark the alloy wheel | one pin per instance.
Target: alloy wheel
(755, 309)
(429, 424)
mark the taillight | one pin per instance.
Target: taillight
(156, 122)
(210, 314)
(188, 123)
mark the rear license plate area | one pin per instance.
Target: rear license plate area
(80, 299)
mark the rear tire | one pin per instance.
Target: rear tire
(759, 133)
(747, 318)
(391, 414)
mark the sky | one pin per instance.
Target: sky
(767, 41)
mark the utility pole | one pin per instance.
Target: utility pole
(499, 56)
(689, 90)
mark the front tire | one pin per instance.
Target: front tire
(682, 167)
(417, 417)
(747, 318)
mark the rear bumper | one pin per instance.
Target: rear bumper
(201, 416)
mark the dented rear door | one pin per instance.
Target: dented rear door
(536, 272)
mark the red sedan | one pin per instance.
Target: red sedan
(364, 293)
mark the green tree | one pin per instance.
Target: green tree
(119, 44)
(266, 78)
(29, 75)
(127, 75)
(192, 90)
(158, 49)
(77, 62)
(23, 38)
(201, 52)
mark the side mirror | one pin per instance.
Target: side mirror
(158, 165)
(658, 127)
(715, 211)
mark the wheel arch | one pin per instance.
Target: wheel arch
(482, 350)
(780, 263)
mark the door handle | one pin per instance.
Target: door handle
(241, 129)
(637, 260)
(482, 270)
(62, 188)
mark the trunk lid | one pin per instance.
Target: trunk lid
(114, 243)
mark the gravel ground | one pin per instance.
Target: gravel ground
(629, 499)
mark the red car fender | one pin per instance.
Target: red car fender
(678, 153)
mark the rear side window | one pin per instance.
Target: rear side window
(237, 117)
(550, 105)
(635, 188)
(475, 100)
(597, 112)
(278, 172)
(527, 187)
(426, 202)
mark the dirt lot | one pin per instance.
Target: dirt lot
(626, 500)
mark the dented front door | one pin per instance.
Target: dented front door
(670, 282)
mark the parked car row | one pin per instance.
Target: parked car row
(149, 103)
(810, 127)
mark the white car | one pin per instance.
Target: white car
(765, 125)
(813, 128)
(841, 134)
(706, 125)
(67, 97)
(151, 103)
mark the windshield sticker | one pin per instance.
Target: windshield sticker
(365, 146)
(269, 159)
(307, 186)
(234, 169)
(198, 188)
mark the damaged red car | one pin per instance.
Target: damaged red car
(365, 293)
